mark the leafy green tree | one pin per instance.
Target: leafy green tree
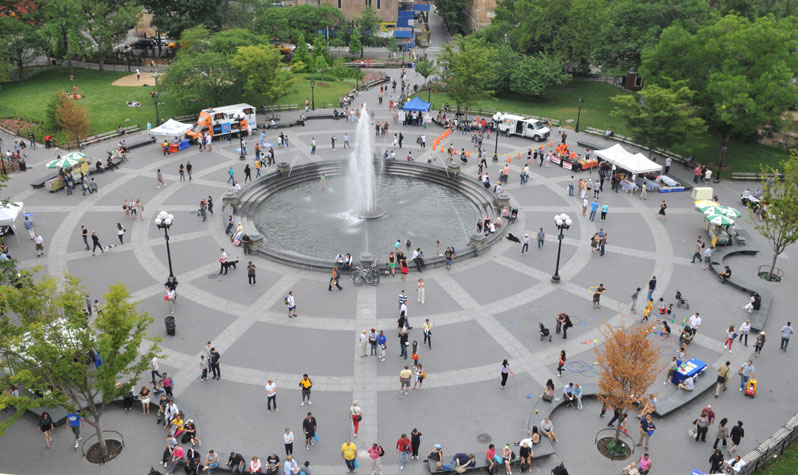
(779, 225)
(321, 66)
(61, 33)
(47, 342)
(172, 17)
(369, 24)
(659, 117)
(453, 14)
(536, 73)
(21, 43)
(194, 40)
(626, 27)
(278, 24)
(228, 41)
(301, 52)
(200, 80)
(753, 9)
(468, 65)
(742, 72)
(321, 48)
(258, 65)
(284, 78)
(392, 46)
(355, 46)
(107, 21)
(426, 68)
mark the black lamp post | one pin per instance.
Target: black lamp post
(312, 95)
(579, 112)
(155, 100)
(164, 221)
(496, 121)
(563, 222)
(241, 155)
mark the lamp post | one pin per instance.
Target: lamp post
(579, 112)
(312, 95)
(497, 118)
(164, 221)
(563, 222)
(155, 100)
(241, 155)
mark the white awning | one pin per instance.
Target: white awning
(171, 127)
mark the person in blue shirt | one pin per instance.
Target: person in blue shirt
(75, 421)
(381, 340)
(593, 209)
(604, 210)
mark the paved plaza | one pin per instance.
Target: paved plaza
(484, 310)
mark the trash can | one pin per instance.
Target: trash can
(170, 325)
(22, 165)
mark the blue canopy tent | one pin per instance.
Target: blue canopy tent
(416, 104)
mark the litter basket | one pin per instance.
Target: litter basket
(170, 325)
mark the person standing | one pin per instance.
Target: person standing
(38, 241)
(541, 238)
(203, 368)
(652, 284)
(604, 210)
(661, 212)
(357, 415)
(74, 422)
(404, 380)
(505, 373)
(288, 441)
(723, 377)
(251, 273)
(346, 141)
(271, 396)
(215, 361)
(364, 340)
(561, 363)
(291, 304)
(382, 342)
(746, 372)
(349, 454)
(427, 328)
(647, 429)
(593, 208)
(305, 384)
(525, 245)
(84, 234)
(597, 295)
(420, 291)
(373, 338)
(309, 429)
(786, 333)
(415, 442)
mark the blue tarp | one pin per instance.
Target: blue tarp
(416, 104)
(402, 34)
(420, 7)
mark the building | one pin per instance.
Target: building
(387, 10)
(479, 13)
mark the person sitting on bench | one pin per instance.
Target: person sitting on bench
(99, 166)
(687, 384)
(460, 461)
(547, 428)
(724, 276)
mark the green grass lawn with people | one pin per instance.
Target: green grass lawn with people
(107, 103)
(561, 103)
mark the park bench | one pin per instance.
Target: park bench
(539, 451)
(671, 402)
(748, 176)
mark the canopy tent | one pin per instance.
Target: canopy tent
(613, 154)
(9, 214)
(171, 127)
(416, 104)
(621, 158)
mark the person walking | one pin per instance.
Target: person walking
(647, 429)
(427, 329)
(403, 447)
(74, 423)
(305, 384)
(349, 454)
(645, 464)
(736, 435)
(364, 340)
(731, 334)
(120, 233)
(745, 329)
(505, 373)
(661, 213)
(251, 273)
(334, 280)
(159, 178)
(786, 333)
(357, 415)
(593, 208)
(309, 427)
(716, 462)
(760, 343)
(38, 242)
(604, 209)
(635, 295)
(375, 452)
(746, 372)
(28, 223)
(84, 234)
(722, 433)
(46, 426)
(541, 238)
(701, 427)
(561, 363)
(230, 175)
(723, 377)
(95, 240)
(699, 245)
(291, 304)
(525, 245)
(247, 173)
(271, 396)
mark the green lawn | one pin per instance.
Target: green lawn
(785, 464)
(106, 103)
(561, 103)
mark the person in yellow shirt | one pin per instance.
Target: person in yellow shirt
(305, 384)
(257, 168)
(349, 454)
(647, 311)
(404, 380)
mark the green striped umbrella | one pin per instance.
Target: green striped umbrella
(718, 219)
(67, 161)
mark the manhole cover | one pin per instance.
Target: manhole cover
(484, 438)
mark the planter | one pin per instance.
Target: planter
(115, 446)
(764, 273)
(608, 446)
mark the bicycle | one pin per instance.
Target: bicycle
(366, 275)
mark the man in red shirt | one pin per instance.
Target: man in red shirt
(403, 448)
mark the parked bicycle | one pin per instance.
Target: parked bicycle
(365, 275)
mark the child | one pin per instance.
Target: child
(647, 311)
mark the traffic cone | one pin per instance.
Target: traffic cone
(551, 143)
(455, 151)
(519, 155)
(468, 154)
(509, 158)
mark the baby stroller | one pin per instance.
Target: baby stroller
(513, 215)
(544, 332)
(681, 301)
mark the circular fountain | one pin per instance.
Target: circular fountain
(363, 204)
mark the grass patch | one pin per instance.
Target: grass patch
(785, 464)
(560, 104)
(106, 103)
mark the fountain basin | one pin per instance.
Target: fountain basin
(297, 223)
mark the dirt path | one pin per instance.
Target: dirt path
(147, 79)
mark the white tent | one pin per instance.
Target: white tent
(171, 127)
(9, 214)
(614, 153)
(639, 163)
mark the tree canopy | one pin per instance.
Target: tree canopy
(469, 69)
(172, 17)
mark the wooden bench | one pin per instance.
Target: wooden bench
(748, 176)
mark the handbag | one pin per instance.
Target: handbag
(359, 417)
(166, 298)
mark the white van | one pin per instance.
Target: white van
(511, 124)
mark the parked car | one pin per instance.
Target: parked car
(162, 41)
(143, 43)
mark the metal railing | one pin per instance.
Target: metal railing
(772, 448)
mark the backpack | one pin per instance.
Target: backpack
(285, 300)
(380, 451)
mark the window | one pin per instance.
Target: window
(638, 81)
(339, 4)
(378, 4)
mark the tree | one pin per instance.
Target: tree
(392, 46)
(659, 117)
(200, 80)
(355, 46)
(61, 33)
(277, 24)
(301, 52)
(453, 13)
(50, 346)
(468, 65)
(228, 41)
(21, 43)
(283, 79)
(259, 66)
(106, 21)
(425, 67)
(320, 65)
(71, 117)
(626, 27)
(628, 365)
(779, 224)
(321, 48)
(741, 71)
(172, 17)
(369, 25)
(536, 73)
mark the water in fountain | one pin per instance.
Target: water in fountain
(361, 189)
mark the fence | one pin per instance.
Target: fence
(771, 448)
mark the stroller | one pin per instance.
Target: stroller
(681, 301)
(544, 332)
